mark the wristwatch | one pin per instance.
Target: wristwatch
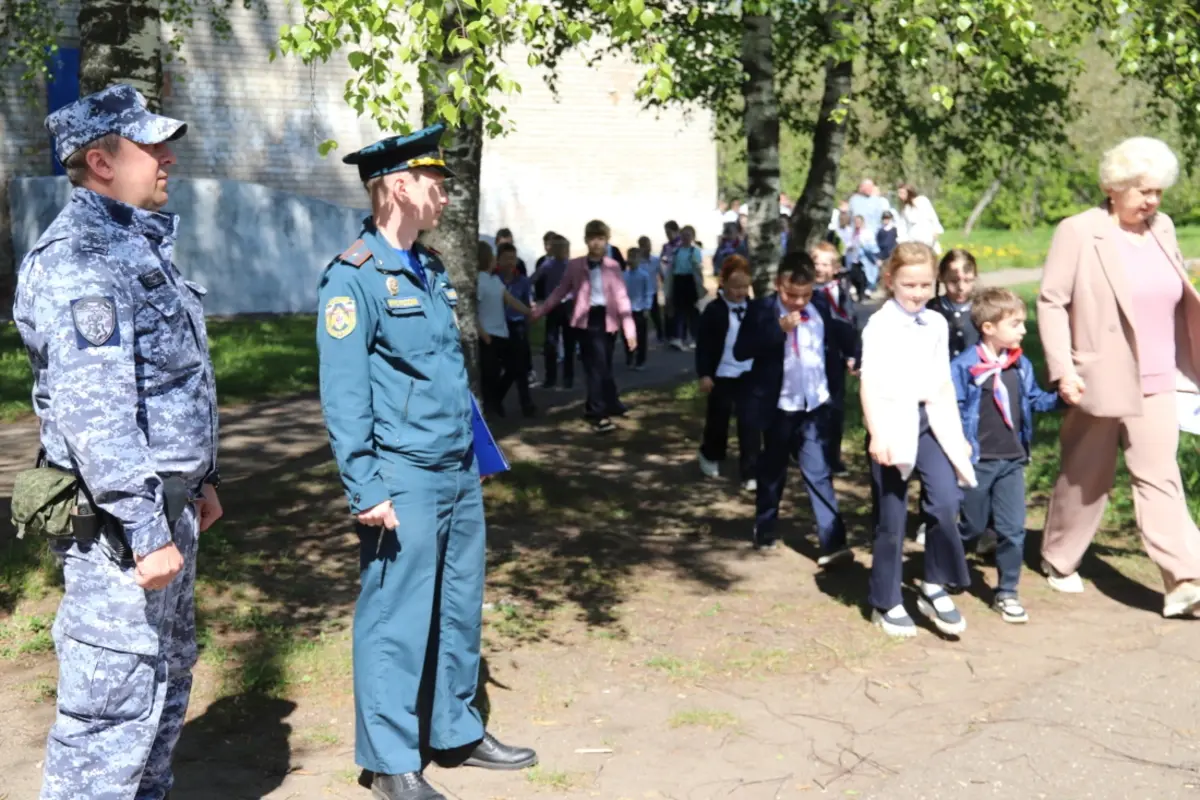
(214, 479)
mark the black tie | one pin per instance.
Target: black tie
(740, 312)
(919, 318)
(594, 264)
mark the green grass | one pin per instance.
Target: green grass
(1000, 249)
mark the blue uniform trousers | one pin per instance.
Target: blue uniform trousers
(806, 432)
(945, 563)
(125, 658)
(418, 621)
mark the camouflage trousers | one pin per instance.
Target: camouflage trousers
(125, 658)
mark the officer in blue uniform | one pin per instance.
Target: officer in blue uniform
(124, 388)
(398, 408)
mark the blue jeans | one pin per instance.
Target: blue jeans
(1000, 495)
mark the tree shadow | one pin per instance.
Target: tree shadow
(238, 748)
(1097, 568)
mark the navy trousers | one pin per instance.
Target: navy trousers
(728, 396)
(1000, 499)
(806, 433)
(945, 563)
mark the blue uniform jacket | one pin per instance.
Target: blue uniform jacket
(1033, 398)
(760, 338)
(122, 379)
(393, 381)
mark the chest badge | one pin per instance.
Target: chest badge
(393, 285)
(340, 317)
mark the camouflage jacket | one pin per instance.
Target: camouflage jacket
(123, 382)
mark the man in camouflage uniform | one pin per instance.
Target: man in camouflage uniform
(124, 388)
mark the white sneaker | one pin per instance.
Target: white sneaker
(895, 622)
(711, 469)
(1183, 599)
(1068, 584)
(834, 559)
(934, 603)
(750, 485)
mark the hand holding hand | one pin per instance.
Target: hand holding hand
(208, 507)
(1071, 389)
(382, 515)
(706, 385)
(156, 570)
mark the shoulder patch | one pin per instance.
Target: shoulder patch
(341, 316)
(356, 254)
(152, 278)
(95, 319)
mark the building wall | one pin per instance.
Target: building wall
(592, 153)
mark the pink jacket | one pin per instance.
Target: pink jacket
(618, 314)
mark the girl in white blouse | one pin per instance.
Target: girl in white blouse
(911, 413)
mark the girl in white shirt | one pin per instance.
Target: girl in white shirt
(921, 223)
(499, 364)
(911, 412)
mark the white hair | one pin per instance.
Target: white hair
(1139, 159)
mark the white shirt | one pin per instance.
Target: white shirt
(906, 362)
(489, 299)
(596, 282)
(730, 367)
(921, 222)
(805, 384)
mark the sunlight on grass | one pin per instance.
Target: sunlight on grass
(553, 780)
(26, 635)
(1003, 249)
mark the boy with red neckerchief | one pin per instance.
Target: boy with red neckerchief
(997, 397)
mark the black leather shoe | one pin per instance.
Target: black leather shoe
(409, 786)
(490, 753)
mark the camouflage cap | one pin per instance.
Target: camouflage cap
(119, 109)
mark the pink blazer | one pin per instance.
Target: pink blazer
(618, 313)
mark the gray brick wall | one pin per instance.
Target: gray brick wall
(594, 154)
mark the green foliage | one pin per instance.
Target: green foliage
(29, 34)
(387, 41)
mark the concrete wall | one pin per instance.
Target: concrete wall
(255, 249)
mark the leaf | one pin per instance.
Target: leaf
(358, 59)
(636, 7)
(963, 22)
(326, 147)
(648, 18)
(693, 15)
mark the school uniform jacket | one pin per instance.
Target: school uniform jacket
(710, 338)
(760, 338)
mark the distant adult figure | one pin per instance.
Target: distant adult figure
(1119, 320)
(921, 223)
(869, 204)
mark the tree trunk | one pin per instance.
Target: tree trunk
(984, 202)
(457, 233)
(761, 119)
(120, 42)
(810, 218)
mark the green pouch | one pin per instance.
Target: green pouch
(42, 501)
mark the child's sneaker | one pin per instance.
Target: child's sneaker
(750, 485)
(934, 603)
(895, 622)
(711, 469)
(1010, 609)
(603, 425)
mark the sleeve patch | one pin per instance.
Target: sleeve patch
(95, 319)
(341, 317)
(356, 254)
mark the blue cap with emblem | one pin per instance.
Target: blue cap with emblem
(119, 109)
(394, 154)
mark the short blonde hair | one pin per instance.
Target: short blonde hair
(1136, 159)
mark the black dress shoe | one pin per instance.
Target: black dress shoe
(490, 753)
(409, 786)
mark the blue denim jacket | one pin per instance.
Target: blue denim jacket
(1033, 398)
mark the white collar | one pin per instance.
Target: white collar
(918, 317)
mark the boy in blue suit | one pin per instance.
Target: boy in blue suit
(799, 349)
(997, 398)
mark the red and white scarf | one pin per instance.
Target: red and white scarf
(992, 367)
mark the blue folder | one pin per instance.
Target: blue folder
(488, 454)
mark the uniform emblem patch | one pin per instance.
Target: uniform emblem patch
(95, 319)
(340, 317)
(393, 285)
(452, 295)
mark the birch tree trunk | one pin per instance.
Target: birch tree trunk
(120, 41)
(810, 218)
(984, 201)
(761, 119)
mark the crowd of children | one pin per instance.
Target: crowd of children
(946, 395)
